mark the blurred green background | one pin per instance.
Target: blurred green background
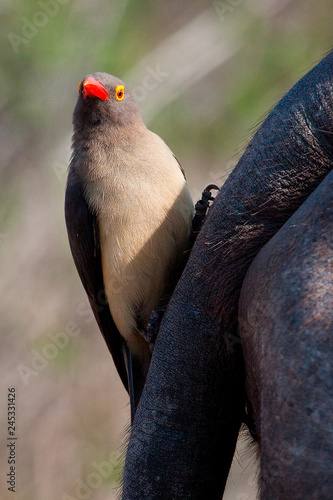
(204, 75)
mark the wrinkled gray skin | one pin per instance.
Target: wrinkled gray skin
(286, 327)
(276, 212)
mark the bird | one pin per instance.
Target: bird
(128, 214)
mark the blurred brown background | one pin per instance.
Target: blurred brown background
(204, 74)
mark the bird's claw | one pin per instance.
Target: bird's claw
(202, 207)
(150, 333)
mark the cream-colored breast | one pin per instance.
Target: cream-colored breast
(144, 222)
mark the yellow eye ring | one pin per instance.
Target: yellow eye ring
(120, 92)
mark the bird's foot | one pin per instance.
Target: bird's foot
(150, 333)
(202, 208)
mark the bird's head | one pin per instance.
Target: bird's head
(104, 99)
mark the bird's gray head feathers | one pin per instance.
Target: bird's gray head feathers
(104, 101)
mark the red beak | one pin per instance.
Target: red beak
(92, 87)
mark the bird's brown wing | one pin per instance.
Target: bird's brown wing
(83, 234)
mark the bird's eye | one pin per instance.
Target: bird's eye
(120, 92)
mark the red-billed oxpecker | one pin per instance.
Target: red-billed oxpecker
(128, 214)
